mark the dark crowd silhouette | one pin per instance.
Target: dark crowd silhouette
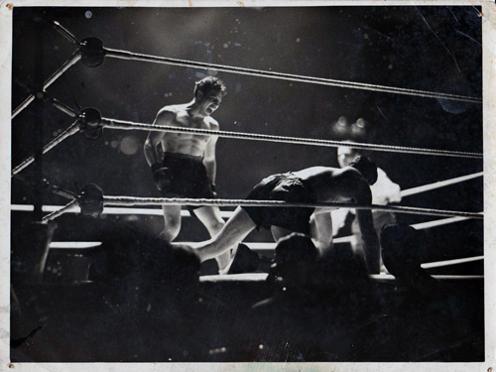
(143, 301)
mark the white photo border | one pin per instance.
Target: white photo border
(489, 141)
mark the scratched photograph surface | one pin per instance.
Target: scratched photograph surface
(247, 184)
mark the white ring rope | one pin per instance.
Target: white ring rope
(440, 222)
(70, 131)
(438, 277)
(65, 32)
(227, 214)
(436, 185)
(260, 247)
(132, 56)
(224, 214)
(59, 212)
(261, 277)
(76, 56)
(456, 261)
(64, 108)
(130, 125)
(73, 245)
(141, 57)
(151, 201)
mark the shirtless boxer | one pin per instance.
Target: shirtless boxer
(183, 164)
(310, 185)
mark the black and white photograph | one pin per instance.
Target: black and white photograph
(290, 184)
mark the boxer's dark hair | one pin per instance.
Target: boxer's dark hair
(295, 247)
(366, 167)
(210, 83)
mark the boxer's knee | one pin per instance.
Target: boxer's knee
(214, 226)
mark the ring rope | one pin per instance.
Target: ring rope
(439, 184)
(130, 125)
(262, 277)
(128, 55)
(456, 261)
(61, 106)
(261, 247)
(141, 57)
(267, 247)
(149, 201)
(65, 32)
(71, 130)
(66, 208)
(76, 56)
(440, 222)
(224, 214)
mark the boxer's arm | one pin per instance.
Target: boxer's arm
(151, 150)
(153, 143)
(321, 230)
(209, 158)
(366, 224)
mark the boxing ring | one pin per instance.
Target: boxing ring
(92, 201)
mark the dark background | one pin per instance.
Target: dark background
(431, 48)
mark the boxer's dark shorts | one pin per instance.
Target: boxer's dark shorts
(287, 187)
(184, 176)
